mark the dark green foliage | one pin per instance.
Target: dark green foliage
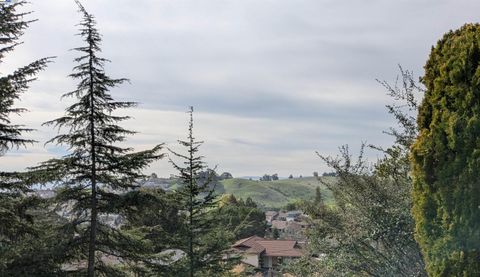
(203, 240)
(37, 249)
(157, 219)
(225, 175)
(14, 84)
(369, 232)
(94, 179)
(294, 205)
(17, 226)
(318, 196)
(266, 177)
(275, 233)
(329, 174)
(243, 217)
(445, 157)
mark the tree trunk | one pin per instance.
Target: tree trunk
(93, 207)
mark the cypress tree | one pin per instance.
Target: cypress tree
(16, 220)
(94, 178)
(446, 157)
(205, 242)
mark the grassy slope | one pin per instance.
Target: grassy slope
(276, 194)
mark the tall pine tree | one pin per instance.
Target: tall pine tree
(205, 241)
(16, 220)
(94, 178)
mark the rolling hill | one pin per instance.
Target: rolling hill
(276, 194)
(267, 194)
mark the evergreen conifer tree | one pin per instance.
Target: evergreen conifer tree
(205, 242)
(157, 219)
(446, 154)
(16, 220)
(94, 178)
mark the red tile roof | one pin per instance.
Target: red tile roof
(250, 245)
(279, 224)
(282, 248)
(273, 248)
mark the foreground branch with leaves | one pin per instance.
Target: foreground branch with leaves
(19, 225)
(370, 231)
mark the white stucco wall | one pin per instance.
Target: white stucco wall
(251, 259)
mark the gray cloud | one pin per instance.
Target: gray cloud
(271, 80)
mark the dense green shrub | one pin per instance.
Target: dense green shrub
(446, 157)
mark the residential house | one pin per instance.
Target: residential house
(293, 215)
(265, 253)
(280, 225)
(282, 215)
(271, 215)
(294, 230)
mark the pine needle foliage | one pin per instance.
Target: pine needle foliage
(94, 178)
(446, 157)
(204, 241)
(12, 26)
(16, 220)
(158, 220)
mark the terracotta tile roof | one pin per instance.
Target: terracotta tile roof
(279, 224)
(249, 245)
(283, 248)
(247, 241)
(274, 248)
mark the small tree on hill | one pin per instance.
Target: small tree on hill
(226, 175)
(275, 177)
(266, 177)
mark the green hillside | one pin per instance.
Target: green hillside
(276, 194)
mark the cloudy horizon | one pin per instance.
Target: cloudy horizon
(271, 82)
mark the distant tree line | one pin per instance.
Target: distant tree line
(329, 174)
(266, 177)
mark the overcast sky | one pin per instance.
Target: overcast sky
(271, 81)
